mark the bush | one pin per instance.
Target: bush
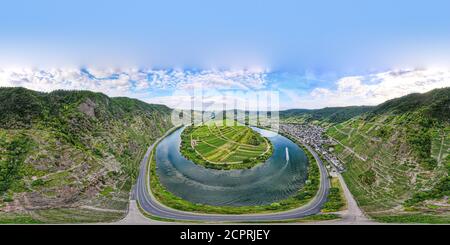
(8, 198)
(10, 167)
(429, 163)
(368, 177)
(383, 132)
(254, 140)
(38, 182)
(334, 202)
(441, 189)
(275, 205)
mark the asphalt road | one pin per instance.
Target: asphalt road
(149, 203)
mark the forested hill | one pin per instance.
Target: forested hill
(66, 149)
(325, 115)
(21, 107)
(434, 104)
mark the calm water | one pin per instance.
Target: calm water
(274, 180)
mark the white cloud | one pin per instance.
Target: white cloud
(102, 72)
(131, 82)
(237, 79)
(376, 88)
(68, 79)
(318, 92)
(219, 100)
(144, 84)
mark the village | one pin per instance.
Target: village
(314, 136)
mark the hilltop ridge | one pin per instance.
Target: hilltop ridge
(324, 116)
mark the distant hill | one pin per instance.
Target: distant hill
(69, 149)
(397, 157)
(325, 115)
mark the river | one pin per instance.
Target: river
(268, 182)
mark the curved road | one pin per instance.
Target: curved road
(149, 203)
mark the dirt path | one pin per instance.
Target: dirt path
(353, 214)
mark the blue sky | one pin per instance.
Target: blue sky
(299, 47)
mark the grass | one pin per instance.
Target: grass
(18, 218)
(60, 216)
(77, 215)
(157, 218)
(304, 195)
(310, 218)
(106, 191)
(336, 199)
(224, 146)
(414, 218)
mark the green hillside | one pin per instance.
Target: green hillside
(325, 116)
(71, 156)
(398, 158)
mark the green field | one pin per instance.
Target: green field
(224, 147)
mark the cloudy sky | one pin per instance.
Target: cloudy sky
(326, 53)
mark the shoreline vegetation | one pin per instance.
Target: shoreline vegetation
(303, 196)
(336, 200)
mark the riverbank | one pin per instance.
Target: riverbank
(302, 197)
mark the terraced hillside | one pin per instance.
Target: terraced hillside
(71, 156)
(225, 147)
(397, 158)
